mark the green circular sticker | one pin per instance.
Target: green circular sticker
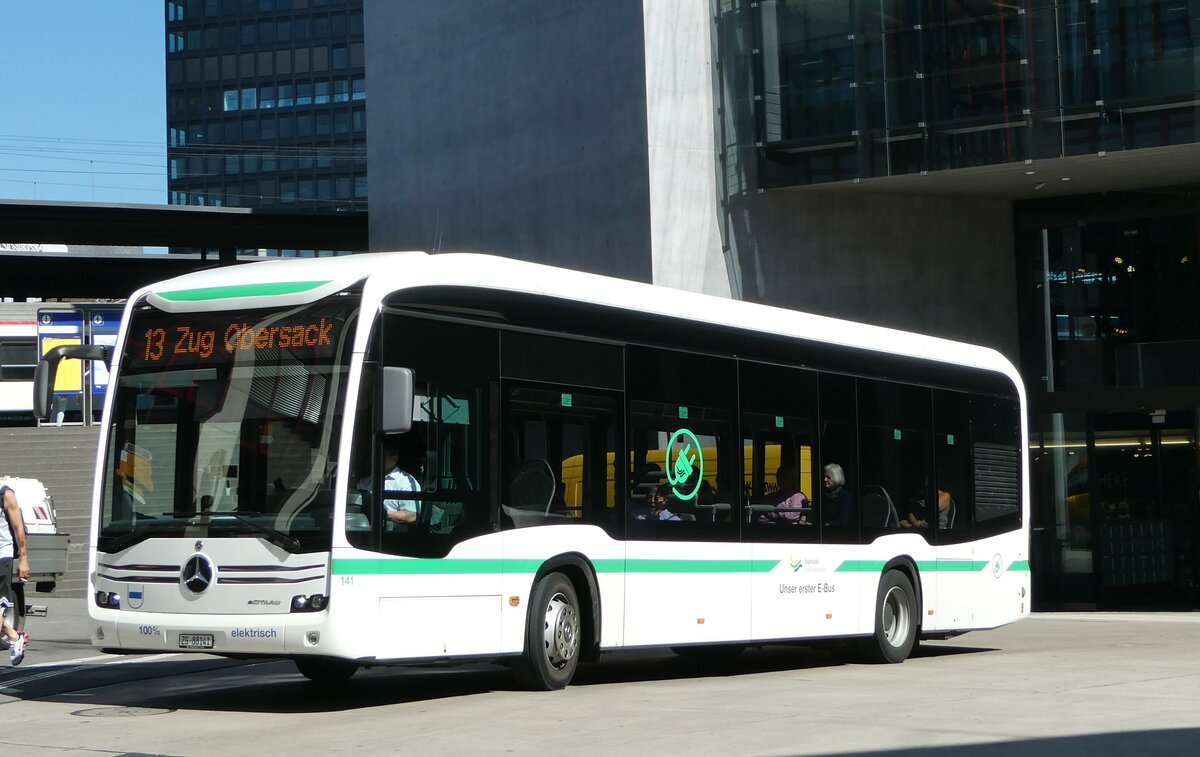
(688, 462)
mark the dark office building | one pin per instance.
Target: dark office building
(1019, 173)
(266, 104)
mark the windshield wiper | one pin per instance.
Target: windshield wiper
(278, 538)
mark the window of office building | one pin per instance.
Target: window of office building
(1110, 347)
(1111, 303)
(257, 55)
(834, 90)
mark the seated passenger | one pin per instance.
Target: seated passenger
(837, 502)
(645, 480)
(946, 509)
(661, 503)
(918, 516)
(642, 509)
(791, 505)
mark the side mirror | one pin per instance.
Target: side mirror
(397, 400)
(47, 369)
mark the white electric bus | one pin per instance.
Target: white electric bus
(589, 464)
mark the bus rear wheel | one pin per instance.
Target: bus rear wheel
(895, 620)
(552, 635)
(327, 671)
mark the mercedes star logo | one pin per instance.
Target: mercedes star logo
(197, 574)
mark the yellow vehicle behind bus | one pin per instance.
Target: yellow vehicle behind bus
(572, 472)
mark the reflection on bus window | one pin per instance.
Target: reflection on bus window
(559, 453)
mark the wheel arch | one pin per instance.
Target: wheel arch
(582, 575)
(908, 567)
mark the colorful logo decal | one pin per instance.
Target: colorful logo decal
(796, 564)
(685, 471)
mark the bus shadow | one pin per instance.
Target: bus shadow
(658, 665)
(664, 665)
(274, 686)
(1160, 741)
(945, 649)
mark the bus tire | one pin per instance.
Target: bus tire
(552, 635)
(895, 620)
(327, 671)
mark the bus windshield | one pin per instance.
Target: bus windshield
(224, 425)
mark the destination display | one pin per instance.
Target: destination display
(159, 340)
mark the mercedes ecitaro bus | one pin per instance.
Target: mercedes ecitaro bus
(396, 458)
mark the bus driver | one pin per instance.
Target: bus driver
(399, 456)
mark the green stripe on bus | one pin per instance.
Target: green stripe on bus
(460, 566)
(929, 566)
(961, 566)
(241, 290)
(371, 567)
(698, 566)
(451, 566)
(969, 566)
(860, 566)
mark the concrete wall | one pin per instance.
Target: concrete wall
(938, 265)
(685, 233)
(516, 127)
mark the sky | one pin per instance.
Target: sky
(84, 111)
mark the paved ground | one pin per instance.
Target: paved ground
(1095, 685)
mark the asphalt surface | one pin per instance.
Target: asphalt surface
(1087, 684)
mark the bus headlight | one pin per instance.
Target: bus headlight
(309, 603)
(109, 600)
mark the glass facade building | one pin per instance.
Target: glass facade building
(266, 104)
(853, 89)
(1110, 339)
(814, 94)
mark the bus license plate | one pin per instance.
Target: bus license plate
(195, 641)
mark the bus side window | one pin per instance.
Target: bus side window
(996, 465)
(895, 487)
(839, 456)
(559, 456)
(682, 421)
(780, 480)
(453, 395)
(951, 449)
(560, 438)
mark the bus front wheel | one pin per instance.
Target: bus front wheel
(552, 635)
(895, 620)
(327, 671)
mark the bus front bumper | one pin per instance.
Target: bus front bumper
(265, 635)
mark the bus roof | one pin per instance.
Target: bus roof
(295, 281)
